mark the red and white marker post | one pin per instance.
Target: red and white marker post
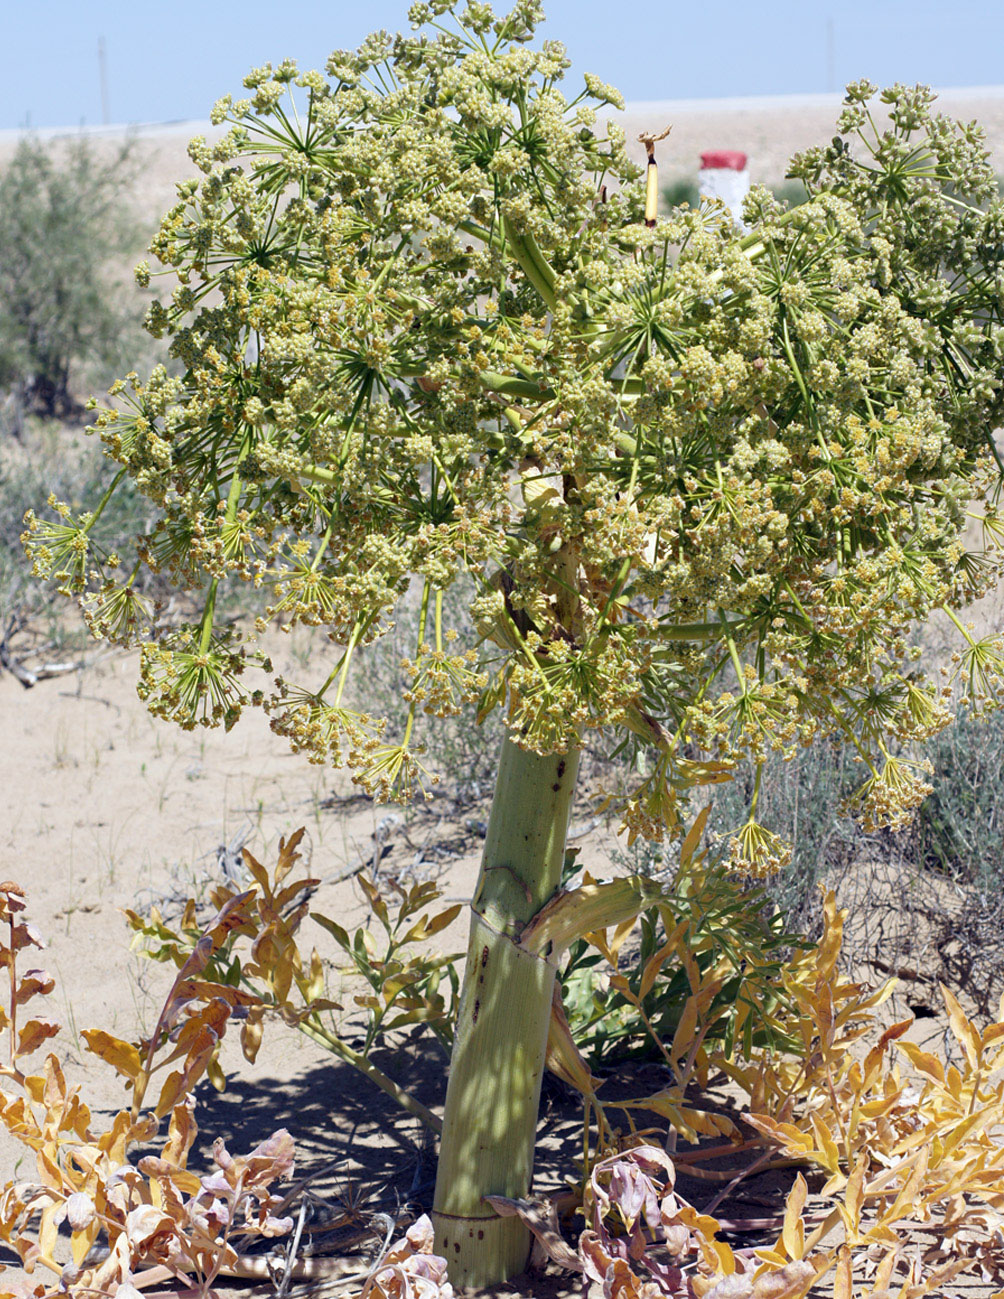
(724, 175)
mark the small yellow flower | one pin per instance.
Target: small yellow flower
(756, 851)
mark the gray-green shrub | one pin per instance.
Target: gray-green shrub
(64, 219)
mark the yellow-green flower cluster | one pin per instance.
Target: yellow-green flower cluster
(704, 482)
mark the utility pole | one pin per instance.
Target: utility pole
(103, 77)
(831, 56)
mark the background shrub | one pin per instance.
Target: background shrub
(35, 622)
(960, 827)
(65, 217)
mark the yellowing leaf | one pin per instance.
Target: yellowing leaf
(143, 1223)
(314, 985)
(339, 934)
(36, 983)
(288, 856)
(33, 1034)
(181, 1133)
(83, 1241)
(692, 968)
(854, 1198)
(541, 490)
(827, 1151)
(710, 1125)
(843, 1282)
(216, 1075)
(122, 1056)
(693, 838)
(170, 1093)
(563, 1056)
(992, 1033)
(791, 1139)
(965, 1034)
(883, 1273)
(925, 1063)
(793, 1232)
(621, 933)
(652, 967)
(903, 1205)
(832, 939)
(683, 1038)
(48, 1227)
(958, 1134)
(440, 922)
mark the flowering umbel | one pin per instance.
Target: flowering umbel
(704, 482)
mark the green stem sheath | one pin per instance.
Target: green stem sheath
(490, 1121)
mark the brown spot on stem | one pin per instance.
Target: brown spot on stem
(477, 1011)
(481, 1235)
(484, 957)
(561, 768)
(556, 788)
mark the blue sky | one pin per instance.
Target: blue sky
(171, 61)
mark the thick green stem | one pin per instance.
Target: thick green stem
(490, 1123)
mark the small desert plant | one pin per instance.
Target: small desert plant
(619, 995)
(790, 191)
(909, 1163)
(256, 963)
(681, 192)
(404, 986)
(155, 1215)
(904, 1161)
(133, 1223)
(627, 993)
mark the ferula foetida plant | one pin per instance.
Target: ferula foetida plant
(705, 482)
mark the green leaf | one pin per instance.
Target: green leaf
(339, 934)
